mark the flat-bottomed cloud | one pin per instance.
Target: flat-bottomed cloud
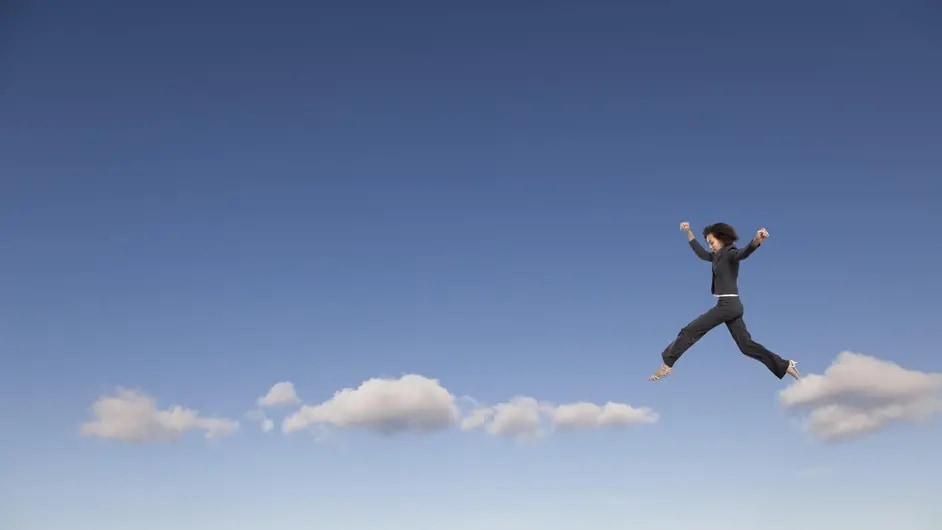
(132, 416)
(584, 415)
(411, 403)
(526, 419)
(860, 394)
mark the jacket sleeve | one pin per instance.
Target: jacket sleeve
(742, 253)
(700, 251)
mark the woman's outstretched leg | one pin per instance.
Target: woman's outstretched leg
(689, 335)
(776, 364)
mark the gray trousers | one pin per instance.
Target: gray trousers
(728, 310)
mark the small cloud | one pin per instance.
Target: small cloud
(527, 419)
(131, 416)
(411, 403)
(860, 394)
(584, 415)
(259, 416)
(280, 394)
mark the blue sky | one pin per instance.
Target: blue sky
(201, 201)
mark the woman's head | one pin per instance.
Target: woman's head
(719, 235)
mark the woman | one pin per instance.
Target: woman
(728, 309)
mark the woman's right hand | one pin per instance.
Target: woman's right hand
(685, 226)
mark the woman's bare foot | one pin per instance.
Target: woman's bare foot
(793, 370)
(663, 371)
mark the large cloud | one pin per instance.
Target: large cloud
(411, 403)
(860, 394)
(131, 416)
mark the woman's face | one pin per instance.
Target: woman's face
(714, 243)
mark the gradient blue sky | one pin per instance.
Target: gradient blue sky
(201, 199)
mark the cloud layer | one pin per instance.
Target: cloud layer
(388, 406)
(132, 416)
(417, 404)
(857, 395)
(860, 394)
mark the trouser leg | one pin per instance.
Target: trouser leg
(693, 332)
(737, 328)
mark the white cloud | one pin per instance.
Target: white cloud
(411, 403)
(584, 415)
(526, 419)
(280, 394)
(131, 416)
(518, 418)
(414, 403)
(860, 394)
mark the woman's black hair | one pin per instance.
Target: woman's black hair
(722, 231)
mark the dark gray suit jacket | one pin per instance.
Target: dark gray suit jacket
(725, 265)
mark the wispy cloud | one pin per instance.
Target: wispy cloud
(584, 415)
(860, 394)
(525, 418)
(131, 416)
